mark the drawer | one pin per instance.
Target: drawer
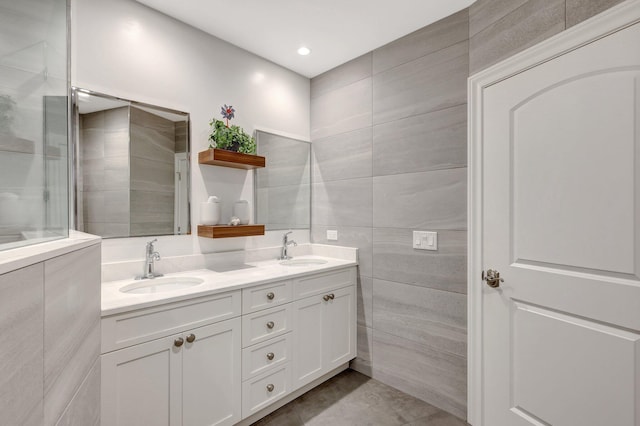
(263, 325)
(142, 325)
(265, 356)
(319, 283)
(266, 296)
(265, 389)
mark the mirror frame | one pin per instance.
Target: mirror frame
(75, 157)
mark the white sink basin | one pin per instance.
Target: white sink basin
(160, 285)
(302, 262)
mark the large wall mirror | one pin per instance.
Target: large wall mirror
(131, 167)
(283, 188)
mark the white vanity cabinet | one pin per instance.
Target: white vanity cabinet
(324, 336)
(267, 321)
(192, 377)
(227, 358)
(294, 332)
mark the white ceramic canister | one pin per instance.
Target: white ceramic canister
(210, 211)
(241, 211)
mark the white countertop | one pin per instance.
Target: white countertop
(249, 274)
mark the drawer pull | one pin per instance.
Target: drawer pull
(191, 338)
(270, 296)
(271, 324)
(270, 356)
(270, 387)
(178, 342)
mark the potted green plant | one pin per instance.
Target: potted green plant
(232, 138)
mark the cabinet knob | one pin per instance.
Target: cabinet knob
(271, 324)
(270, 387)
(191, 338)
(270, 356)
(270, 296)
(178, 342)
(332, 296)
(326, 297)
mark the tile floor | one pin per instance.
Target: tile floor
(353, 399)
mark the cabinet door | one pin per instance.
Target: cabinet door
(307, 340)
(211, 375)
(141, 385)
(339, 328)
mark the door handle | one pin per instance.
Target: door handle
(492, 277)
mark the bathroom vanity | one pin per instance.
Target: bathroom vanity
(221, 348)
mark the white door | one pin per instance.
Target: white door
(211, 375)
(561, 224)
(142, 385)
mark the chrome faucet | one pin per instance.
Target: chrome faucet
(284, 255)
(150, 257)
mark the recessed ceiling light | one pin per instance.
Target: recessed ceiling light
(304, 51)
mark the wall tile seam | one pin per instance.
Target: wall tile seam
(337, 89)
(314, 140)
(462, 358)
(416, 285)
(373, 74)
(508, 15)
(448, 325)
(415, 173)
(370, 53)
(77, 391)
(320, 181)
(430, 169)
(47, 391)
(431, 347)
(511, 53)
(421, 113)
(404, 228)
(473, 14)
(326, 138)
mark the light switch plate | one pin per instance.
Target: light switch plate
(425, 240)
(332, 234)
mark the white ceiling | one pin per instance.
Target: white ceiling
(336, 31)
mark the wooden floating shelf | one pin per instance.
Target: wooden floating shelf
(225, 231)
(224, 158)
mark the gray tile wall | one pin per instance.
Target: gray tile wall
(71, 326)
(389, 156)
(501, 28)
(152, 157)
(283, 188)
(105, 172)
(50, 326)
(22, 353)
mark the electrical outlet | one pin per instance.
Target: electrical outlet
(332, 234)
(425, 240)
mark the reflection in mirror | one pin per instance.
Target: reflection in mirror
(131, 167)
(283, 187)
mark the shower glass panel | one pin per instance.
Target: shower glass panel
(34, 188)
